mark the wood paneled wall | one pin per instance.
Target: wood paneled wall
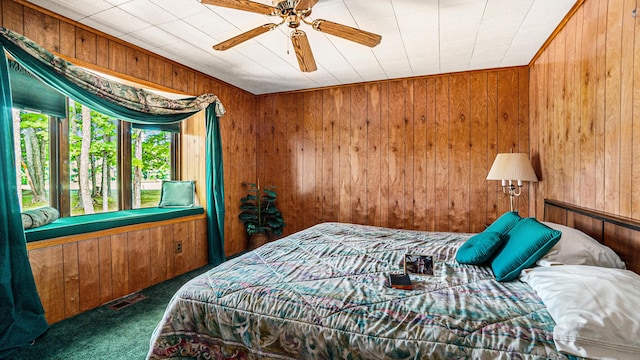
(78, 273)
(102, 52)
(409, 153)
(585, 111)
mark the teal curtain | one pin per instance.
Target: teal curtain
(21, 314)
(215, 188)
(29, 93)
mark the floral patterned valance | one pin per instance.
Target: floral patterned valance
(53, 70)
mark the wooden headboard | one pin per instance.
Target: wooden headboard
(619, 233)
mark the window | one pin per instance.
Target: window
(93, 160)
(31, 141)
(78, 164)
(150, 164)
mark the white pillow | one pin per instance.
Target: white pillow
(595, 309)
(578, 248)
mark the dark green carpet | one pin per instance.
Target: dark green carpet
(105, 334)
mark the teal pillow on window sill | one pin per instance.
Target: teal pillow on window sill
(177, 193)
(479, 248)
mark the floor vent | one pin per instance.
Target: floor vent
(126, 301)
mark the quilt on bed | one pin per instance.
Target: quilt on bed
(322, 294)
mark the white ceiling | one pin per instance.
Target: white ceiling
(419, 37)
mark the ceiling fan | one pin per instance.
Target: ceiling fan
(292, 12)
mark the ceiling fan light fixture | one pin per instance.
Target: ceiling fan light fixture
(293, 21)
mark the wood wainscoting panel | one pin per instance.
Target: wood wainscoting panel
(47, 265)
(357, 158)
(169, 251)
(158, 255)
(67, 39)
(180, 235)
(12, 16)
(86, 46)
(104, 264)
(420, 149)
(460, 140)
(201, 244)
(139, 256)
(443, 160)
(478, 110)
(119, 265)
(71, 279)
(46, 35)
(89, 270)
(78, 273)
(398, 209)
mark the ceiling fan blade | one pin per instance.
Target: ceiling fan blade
(305, 4)
(245, 5)
(244, 36)
(303, 51)
(347, 32)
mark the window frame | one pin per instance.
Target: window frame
(59, 171)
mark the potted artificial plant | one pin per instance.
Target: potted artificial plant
(260, 215)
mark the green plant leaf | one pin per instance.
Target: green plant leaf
(249, 198)
(248, 217)
(249, 207)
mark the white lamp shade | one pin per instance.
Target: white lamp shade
(512, 166)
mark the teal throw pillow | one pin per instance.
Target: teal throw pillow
(527, 242)
(177, 194)
(479, 248)
(504, 223)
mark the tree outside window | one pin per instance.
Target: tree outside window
(32, 157)
(151, 163)
(92, 160)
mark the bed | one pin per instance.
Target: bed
(323, 293)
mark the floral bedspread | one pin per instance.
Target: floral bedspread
(322, 293)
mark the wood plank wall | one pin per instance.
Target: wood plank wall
(410, 153)
(585, 111)
(102, 52)
(78, 273)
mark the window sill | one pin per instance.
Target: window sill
(96, 222)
